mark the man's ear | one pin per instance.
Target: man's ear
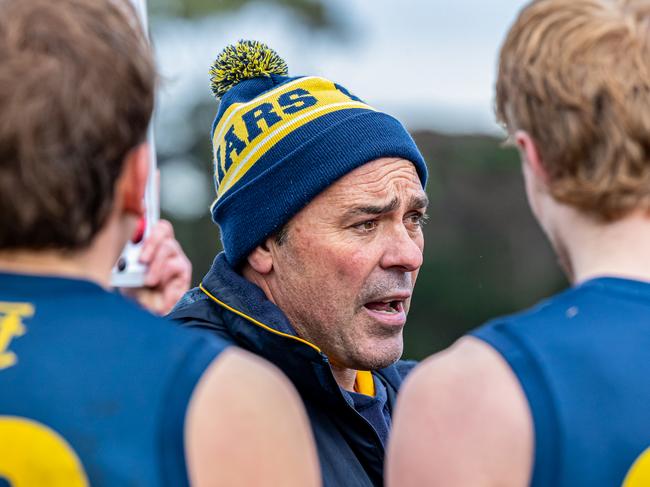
(530, 156)
(261, 258)
(133, 180)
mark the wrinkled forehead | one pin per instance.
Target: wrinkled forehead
(386, 173)
(388, 180)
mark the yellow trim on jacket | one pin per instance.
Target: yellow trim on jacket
(255, 322)
(364, 382)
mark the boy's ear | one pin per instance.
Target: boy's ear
(530, 155)
(133, 180)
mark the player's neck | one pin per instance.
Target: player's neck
(52, 263)
(93, 263)
(618, 249)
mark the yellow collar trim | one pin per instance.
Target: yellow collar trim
(260, 324)
(364, 383)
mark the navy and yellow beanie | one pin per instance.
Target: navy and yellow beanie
(280, 141)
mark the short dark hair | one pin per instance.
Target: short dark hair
(77, 83)
(282, 235)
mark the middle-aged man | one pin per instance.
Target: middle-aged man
(320, 203)
(557, 395)
(93, 389)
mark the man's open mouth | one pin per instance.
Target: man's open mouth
(388, 307)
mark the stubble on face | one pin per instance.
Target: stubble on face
(328, 269)
(327, 313)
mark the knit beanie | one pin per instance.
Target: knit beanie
(279, 141)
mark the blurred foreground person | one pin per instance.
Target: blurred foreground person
(557, 395)
(94, 390)
(320, 202)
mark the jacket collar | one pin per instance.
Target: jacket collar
(238, 295)
(234, 293)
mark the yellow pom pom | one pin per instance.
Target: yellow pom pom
(244, 60)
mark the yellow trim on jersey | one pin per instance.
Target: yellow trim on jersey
(639, 474)
(254, 321)
(11, 327)
(32, 453)
(364, 383)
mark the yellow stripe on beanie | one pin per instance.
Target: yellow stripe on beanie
(324, 97)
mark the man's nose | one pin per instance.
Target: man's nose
(402, 250)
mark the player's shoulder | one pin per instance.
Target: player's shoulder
(543, 315)
(142, 330)
(239, 396)
(464, 402)
(469, 366)
(131, 315)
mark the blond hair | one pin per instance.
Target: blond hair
(575, 75)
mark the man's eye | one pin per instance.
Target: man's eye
(366, 226)
(418, 219)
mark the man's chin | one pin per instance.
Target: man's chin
(379, 357)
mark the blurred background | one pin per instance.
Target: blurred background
(430, 63)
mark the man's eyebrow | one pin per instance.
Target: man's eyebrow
(420, 201)
(373, 209)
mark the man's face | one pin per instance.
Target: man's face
(345, 273)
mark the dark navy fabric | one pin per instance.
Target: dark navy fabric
(350, 448)
(582, 360)
(108, 377)
(374, 408)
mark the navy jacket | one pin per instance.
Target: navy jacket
(350, 451)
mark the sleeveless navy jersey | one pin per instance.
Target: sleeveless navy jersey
(583, 360)
(93, 389)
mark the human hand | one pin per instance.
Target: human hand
(169, 270)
